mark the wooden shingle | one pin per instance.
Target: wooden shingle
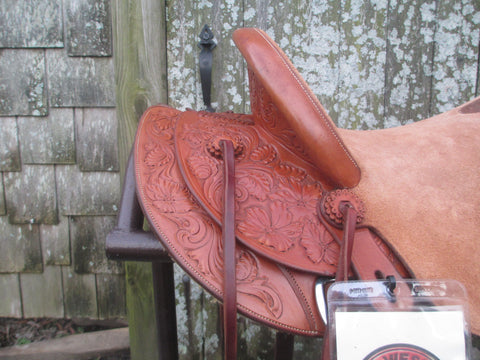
(88, 27)
(11, 304)
(87, 193)
(55, 241)
(111, 296)
(23, 90)
(88, 234)
(48, 140)
(9, 150)
(31, 23)
(3, 210)
(97, 145)
(42, 294)
(20, 249)
(31, 195)
(79, 293)
(79, 81)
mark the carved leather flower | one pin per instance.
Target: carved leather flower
(169, 197)
(301, 199)
(272, 227)
(319, 244)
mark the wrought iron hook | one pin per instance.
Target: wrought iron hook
(207, 44)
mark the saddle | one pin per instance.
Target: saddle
(303, 199)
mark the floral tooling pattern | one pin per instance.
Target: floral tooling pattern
(275, 200)
(177, 217)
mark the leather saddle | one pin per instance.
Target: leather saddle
(414, 191)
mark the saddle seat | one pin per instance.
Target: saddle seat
(420, 185)
(415, 189)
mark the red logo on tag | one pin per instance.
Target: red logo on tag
(400, 352)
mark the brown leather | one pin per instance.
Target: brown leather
(275, 75)
(277, 295)
(229, 253)
(277, 193)
(345, 258)
(289, 156)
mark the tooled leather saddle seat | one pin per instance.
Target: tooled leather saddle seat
(415, 190)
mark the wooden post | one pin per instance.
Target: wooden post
(140, 80)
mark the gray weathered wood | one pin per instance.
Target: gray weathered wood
(186, 20)
(20, 249)
(55, 241)
(79, 292)
(140, 65)
(42, 294)
(92, 345)
(87, 236)
(361, 64)
(79, 81)
(87, 193)
(455, 65)
(308, 33)
(3, 210)
(88, 27)
(49, 140)
(140, 81)
(96, 139)
(31, 195)
(410, 50)
(111, 296)
(23, 90)
(9, 149)
(31, 23)
(11, 304)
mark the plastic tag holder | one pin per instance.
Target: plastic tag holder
(391, 300)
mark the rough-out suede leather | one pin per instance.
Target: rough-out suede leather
(415, 189)
(421, 188)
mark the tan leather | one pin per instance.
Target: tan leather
(421, 188)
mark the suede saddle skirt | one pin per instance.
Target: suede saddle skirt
(416, 189)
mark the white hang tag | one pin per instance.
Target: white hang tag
(418, 320)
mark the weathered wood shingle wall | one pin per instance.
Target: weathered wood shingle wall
(373, 64)
(59, 184)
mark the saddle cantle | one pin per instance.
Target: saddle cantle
(415, 189)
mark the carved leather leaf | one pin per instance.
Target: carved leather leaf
(201, 166)
(255, 183)
(249, 282)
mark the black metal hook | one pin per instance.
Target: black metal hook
(207, 44)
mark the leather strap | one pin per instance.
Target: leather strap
(344, 260)
(228, 239)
